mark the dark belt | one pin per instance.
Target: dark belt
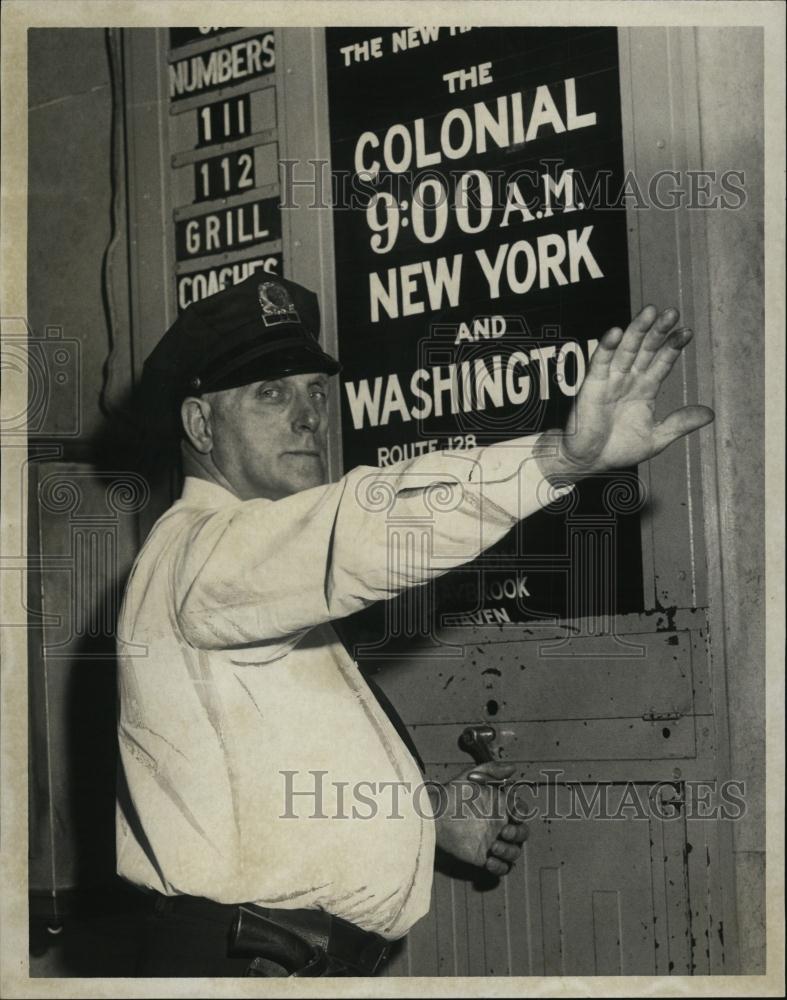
(301, 941)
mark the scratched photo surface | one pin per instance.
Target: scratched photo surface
(393, 507)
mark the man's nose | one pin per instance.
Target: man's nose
(307, 416)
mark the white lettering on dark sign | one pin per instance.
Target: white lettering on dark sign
(200, 284)
(231, 228)
(220, 67)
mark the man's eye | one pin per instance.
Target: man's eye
(320, 393)
(270, 392)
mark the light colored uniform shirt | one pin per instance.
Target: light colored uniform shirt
(230, 674)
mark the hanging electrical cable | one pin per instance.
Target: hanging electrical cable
(108, 397)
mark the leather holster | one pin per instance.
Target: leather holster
(254, 936)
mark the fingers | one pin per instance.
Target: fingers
(643, 339)
(654, 339)
(641, 323)
(632, 339)
(506, 852)
(679, 423)
(491, 773)
(516, 833)
(605, 352)
(634, 349)
(666, 357)
(497, 867)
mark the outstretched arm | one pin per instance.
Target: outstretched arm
(612, 423)
(263, 570)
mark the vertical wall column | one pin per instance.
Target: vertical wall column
(729, 75)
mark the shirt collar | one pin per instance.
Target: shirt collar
(202, 493)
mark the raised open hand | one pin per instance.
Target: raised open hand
(612, 423)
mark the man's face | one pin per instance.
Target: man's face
(269, 438)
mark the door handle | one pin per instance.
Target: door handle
(477, 741)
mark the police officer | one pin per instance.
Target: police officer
(257, 766)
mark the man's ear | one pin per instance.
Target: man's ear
(195, 415)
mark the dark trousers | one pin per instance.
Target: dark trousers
(193, 941)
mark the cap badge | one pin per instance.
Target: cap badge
(276, 304)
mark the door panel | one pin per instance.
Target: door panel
(589, 897)
(651, 705)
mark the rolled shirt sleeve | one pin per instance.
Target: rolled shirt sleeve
(266, 571)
